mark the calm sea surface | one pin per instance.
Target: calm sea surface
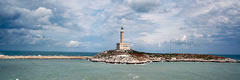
(59, 69)
(67, 69)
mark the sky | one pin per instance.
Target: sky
(160, 26)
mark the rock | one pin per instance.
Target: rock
(135, 57)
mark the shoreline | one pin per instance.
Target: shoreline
(92, 59)
(176, 60)
(135, 57)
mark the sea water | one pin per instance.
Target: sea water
(67, 69)
(70, 69)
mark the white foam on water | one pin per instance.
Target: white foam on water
(135, 77)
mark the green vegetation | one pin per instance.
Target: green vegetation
(177, 55)
(136, 57)
(142, 55)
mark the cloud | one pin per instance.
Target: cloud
(73, 43)
(174, 25)
(220, 20)
(143, 5)
(23, 26)
(11, 37)
(17, 17)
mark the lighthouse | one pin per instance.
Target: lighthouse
(121, 35)
(122, 45)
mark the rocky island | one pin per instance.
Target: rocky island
(124, 55)
(135, 57)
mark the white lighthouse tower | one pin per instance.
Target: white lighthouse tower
(122, 45)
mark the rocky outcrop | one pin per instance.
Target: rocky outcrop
(135, 57)
(120, 57)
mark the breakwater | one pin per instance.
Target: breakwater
(44, 57)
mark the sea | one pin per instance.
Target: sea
(74, 69)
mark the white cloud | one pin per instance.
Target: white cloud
(204, 7)
(161, 35)
(147, 22)
(73, 43)
(33, 18)
(43, 15)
